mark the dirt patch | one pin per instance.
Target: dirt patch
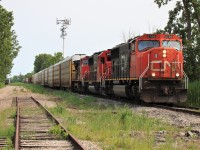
(9, 92)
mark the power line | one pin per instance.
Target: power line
(64, 24)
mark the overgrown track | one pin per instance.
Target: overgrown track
(35, 127)
(3, 143)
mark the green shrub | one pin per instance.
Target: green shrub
(2, 85)
(193, 95)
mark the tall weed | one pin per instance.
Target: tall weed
(193, 96)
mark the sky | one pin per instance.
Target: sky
(96, 25)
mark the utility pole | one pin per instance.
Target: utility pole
(64, 24)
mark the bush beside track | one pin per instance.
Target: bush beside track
(193, 95)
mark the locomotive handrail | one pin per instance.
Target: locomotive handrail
(186, 79)
(140, 78)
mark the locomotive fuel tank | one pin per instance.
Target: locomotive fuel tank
(94, 89)
(121, 90)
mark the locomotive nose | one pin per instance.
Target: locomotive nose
(165, 63)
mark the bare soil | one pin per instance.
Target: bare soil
(9, 92)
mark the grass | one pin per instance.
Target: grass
(194, 94)
(56, 130)
(7, 130)
(33, 88)
(2, 85)
(71, 99)
(112, 127)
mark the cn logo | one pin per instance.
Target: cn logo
(156, 65)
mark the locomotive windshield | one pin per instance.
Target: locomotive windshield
(144, 45)
(173, 44)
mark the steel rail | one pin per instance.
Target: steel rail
(186, 107)
(17, 126)
(70, 136)
(187, 110)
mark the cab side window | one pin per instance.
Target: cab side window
(133, 46)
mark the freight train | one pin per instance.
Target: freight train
(147, 67)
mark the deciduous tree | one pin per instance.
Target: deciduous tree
(9, 46)
(43, 61)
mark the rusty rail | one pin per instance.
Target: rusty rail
(70, 136)
(17, 126)
(188, 110)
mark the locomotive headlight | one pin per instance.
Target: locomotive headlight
(177, 74)
(164, 53)
(153, 74)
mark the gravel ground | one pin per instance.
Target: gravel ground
(174, 118)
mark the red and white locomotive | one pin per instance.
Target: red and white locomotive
(149, 67)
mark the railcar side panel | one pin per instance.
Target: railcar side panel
(56, 75)
(43, 77)
(40, 77)
(34, 79)
(50, 76)
(65, 74)
(46, 77)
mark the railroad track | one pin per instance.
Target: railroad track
(178, 108)
(3, 143)
(188, 110)
(35, 128)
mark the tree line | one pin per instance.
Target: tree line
(41, 62)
